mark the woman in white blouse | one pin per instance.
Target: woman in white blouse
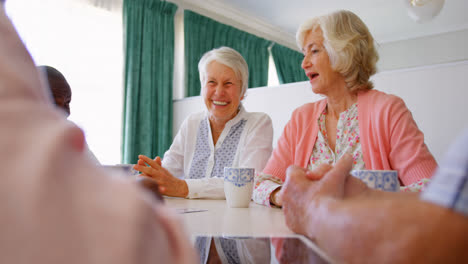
(225, 135)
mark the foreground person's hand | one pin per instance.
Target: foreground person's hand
(304, 191)
(296, 194)
(168, 184)
(150, 185)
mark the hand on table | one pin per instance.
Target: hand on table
(304, 191)
(275, 197)
(168, 184)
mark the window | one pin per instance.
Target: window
(272, 73)
(85, 44)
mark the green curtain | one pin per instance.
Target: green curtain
(203, 34)
(288, 64)
(149, 63)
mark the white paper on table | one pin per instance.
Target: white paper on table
(189, 210)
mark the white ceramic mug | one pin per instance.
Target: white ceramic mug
(238, 186)
(385, 180)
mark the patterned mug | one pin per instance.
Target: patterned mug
(238, 186)
(385, 180)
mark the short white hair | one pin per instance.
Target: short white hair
(349, 44)
(229, 57)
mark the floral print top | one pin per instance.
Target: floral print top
(347, 141)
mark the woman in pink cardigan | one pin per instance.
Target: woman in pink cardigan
(377, 129)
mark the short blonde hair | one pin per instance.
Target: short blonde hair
(230, 58)
(349, 44)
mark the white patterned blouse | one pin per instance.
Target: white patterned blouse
(246, 141)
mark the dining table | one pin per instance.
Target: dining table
(215, 219)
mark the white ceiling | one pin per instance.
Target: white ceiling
(277, 20)
(386, 19)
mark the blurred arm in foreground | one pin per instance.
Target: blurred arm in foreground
(57, 206)
(355, 224)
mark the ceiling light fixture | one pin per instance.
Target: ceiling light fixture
(423, 10)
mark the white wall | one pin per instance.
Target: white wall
(436, 95)
(429, 50)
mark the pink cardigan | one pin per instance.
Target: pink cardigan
(389, 137)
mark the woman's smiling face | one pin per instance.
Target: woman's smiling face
(221, 92)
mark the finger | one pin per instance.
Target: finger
(279, 198)
(147, 171)
(295, 177)
(149, 161)
(139, 168)
(319, 172)
(337, 176)
(294, 171)
(158, 160)
(354, 186)
(295, 181)
(141, 162)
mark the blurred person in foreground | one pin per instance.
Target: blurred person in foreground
(356, 224)
(54, 207)
(62, 95)
(376, 128)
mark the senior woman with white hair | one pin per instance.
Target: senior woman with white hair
(377, 129)
(224, 135)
